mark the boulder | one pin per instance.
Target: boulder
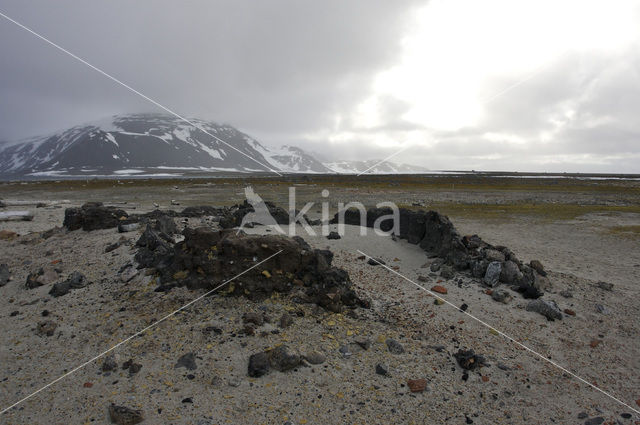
(510, 273)
(537, 266)
(492, 275)
(548, 309)
(93, 216)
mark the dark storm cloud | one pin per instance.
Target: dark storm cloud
(277, 67)
(294, 72)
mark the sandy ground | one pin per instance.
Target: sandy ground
(516, 387)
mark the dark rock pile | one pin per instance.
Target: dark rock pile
(93, 216)
(436, 235)
(206, 258)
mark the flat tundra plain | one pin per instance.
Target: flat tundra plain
(193, 367)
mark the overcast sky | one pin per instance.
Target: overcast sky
(460, 84)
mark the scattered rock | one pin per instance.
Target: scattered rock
(446, 272)
(93, 216)
(439, 289)
(605, 286)
(282, 358)
(469, 360)
(417, 385)
(333, 235)
(435, 266)
(510, 273)
(594, 421)
(492, 275)
(548, 309)
(364, 343)
(258, 365)
(375, 261)
(315, 357)
(131, 366)
(128, 274)
(45, 276)
(285, 320)
(187, 361)
(602, 309)
(252, 317)
(5, 275)
(75, 280)
(125, 416)
(131, 227)
(382, 370)
(501, 296)
(529, 291)
(47, 327)
(394, 346)
(7, 235)
(109, 364)
(494, 256)
(566, 293)
(537, 266)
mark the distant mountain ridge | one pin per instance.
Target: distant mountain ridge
(155, 144)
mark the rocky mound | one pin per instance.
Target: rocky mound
(206, 258)
(436, 234)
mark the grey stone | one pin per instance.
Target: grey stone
(258, 365)
(187, 361)
(285, 320)
(315, 357)
(394, 346)
(282, 358)
(605, 285)
(494, 255)
(5, 275)
(548, 309)
(109, 364)
(382, 370)
(510, 273)
(501, 296)
(492, 275)
(446, 272)
(602, 309)
(124, 228)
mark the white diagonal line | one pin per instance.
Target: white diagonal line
(535, 72)
(145, 97)
(124, 341)
(503, 334)
(380, 162)
(488, 100)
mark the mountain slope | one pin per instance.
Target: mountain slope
(373, 166)
(137, 143)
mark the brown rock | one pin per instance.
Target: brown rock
(7, 234)
(594, 343)
(439, 289)
(569, 312)
(417, 385)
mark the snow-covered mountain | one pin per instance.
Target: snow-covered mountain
(149, 144)
(163, 145)
(373, 166)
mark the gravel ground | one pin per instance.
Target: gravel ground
(514, 387)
